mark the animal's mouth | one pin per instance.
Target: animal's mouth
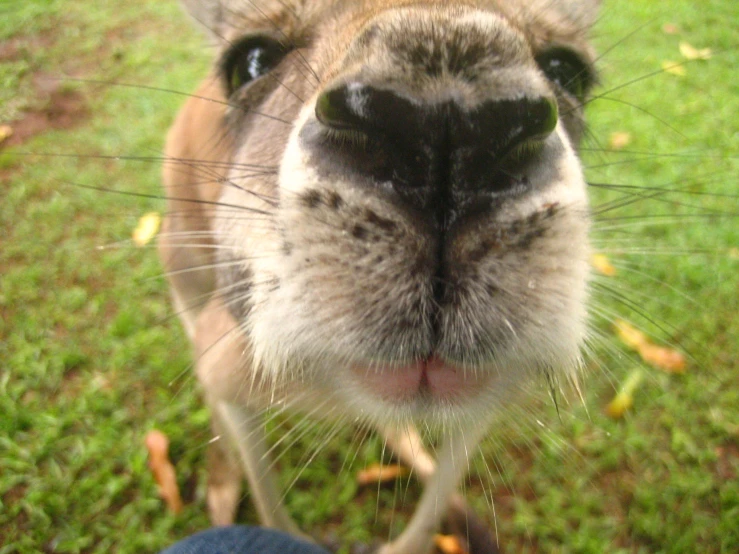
(433, 379)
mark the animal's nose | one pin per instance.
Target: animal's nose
(434, 153)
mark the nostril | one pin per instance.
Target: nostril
(538, 118)
(343, 107)
(493, 145)
(506, 126)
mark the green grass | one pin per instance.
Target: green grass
(91, 356)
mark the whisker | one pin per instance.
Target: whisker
(178, 93)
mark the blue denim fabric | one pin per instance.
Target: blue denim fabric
(243, 540)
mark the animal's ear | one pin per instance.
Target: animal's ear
(568, 16)
(587, 10)
(576, 15)
(208, 14)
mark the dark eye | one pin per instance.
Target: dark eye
(568, 70)
(250, 58)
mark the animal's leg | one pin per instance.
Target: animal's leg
(246, 431)
(223, 369)
(225, 477)
(407, 445)
(460, 520)
(440, 489)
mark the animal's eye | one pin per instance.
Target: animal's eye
(250, 58)
(566, 69)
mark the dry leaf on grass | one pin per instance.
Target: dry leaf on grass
(377, 473)
(691, 53)
(660, 357)
(625, 398)
(449, 544)
(603, 265)
(147, 228)
(619, 140)
(673, 68)
(663, 358)
(629, 335)
(157, 444)
(6, 131)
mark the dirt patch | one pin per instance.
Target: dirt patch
(10, 50)
(18, 48)
(41, 102)
(63, 109)
(11, 499)
(727, 464)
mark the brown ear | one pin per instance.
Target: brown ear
(583, 11)
(576, 14)
(209, 14)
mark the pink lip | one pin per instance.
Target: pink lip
(430, 377)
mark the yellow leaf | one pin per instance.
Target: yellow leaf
(603, 265)
(619, 140)
(629, 335)
(147, 228)
(674, 68)
(377, 473)
(6, 131)
(449, 544)
(625, 397)
(734, 253)
(691, 53)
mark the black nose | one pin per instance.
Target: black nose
(434, 152)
